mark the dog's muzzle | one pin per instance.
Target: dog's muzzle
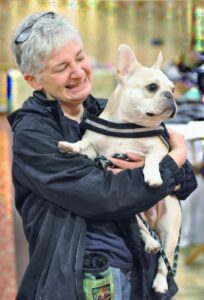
(174, 111)
(171, 105)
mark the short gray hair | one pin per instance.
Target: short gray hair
(45, 35)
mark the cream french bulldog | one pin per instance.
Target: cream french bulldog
(143, 96)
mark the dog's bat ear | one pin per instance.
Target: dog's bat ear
(158, 63)
(126, 59)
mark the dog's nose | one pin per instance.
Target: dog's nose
(168, 95)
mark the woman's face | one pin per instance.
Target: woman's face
(67, 75)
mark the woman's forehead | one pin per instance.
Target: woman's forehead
(66, 52)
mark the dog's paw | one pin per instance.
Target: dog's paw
(65, 147)
(151, 245)
(153, 183)
(153, 179)
(160, 284)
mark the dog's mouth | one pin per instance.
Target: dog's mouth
(166, 110)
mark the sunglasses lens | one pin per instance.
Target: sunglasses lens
(24, 35)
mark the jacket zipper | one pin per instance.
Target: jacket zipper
(79, 259)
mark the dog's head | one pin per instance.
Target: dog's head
(144, 95)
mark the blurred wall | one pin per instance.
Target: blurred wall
(147, 26)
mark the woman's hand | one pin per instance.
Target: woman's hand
(136, 161)
(178, 147)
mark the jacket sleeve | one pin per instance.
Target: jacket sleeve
(75, 183)
(189, 183)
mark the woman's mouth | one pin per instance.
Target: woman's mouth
(77, 86)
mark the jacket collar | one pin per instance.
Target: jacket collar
(91, 104)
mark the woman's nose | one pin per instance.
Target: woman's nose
(76, 71)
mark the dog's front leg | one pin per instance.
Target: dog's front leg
(151, 170)
(83, 147)
(154, 153)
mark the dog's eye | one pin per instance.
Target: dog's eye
(153, 87)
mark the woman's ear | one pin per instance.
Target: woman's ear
(32, 81)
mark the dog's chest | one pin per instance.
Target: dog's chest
(108, 145)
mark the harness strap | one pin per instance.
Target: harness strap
(124, 130)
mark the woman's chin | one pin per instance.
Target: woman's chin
(82, 94)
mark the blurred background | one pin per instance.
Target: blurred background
(172, 26)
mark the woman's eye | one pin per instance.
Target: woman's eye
(61, 69)
(153, 87)
(80, 59)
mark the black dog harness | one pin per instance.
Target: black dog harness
(125, 130)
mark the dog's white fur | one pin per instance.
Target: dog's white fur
(133, 102)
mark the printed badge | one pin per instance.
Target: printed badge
(102, 292)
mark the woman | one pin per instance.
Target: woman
(69, 206)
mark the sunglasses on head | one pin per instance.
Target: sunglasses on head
(25, 33)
